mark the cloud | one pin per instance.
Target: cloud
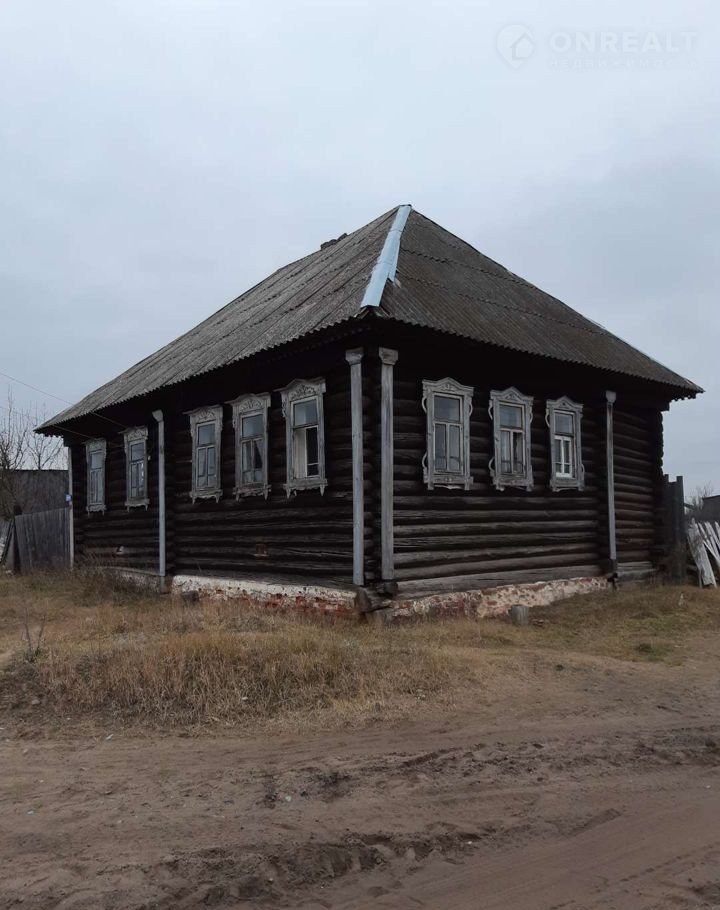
(160, 157)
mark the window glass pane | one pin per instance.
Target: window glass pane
(252, 461)
(258, 449)
(505, 449)
(312, 452)
(247, 453)
(454, 450)
(252, 425)
(206, 434)
(95, 460)
(211, 463)
(510, 415)
(137, 451)
(440, 448)
(305, 412)
(137, 480)
(518, 454)
(564, 423)
(202, 463)
(447, 408)
(299, 449)
(558, 456)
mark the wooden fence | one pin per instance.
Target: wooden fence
(674, 532)
(39, 540)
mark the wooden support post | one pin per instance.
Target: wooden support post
(388, 359)
(354, 358)
(158, 415)
(71, 512)
(612, 541)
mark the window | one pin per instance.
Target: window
(136, 467)
(206, 430)
(563, 418)
(95, 451)
(251, 435)
(511, 465)
(448, 406)
(304, 435)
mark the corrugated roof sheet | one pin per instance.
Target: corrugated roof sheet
(443, 283)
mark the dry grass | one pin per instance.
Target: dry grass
(113, 653)
(130, 656)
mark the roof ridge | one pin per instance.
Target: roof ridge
(386, 265)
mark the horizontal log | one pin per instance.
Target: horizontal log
(474, 543)
(422, 586)
(491, 566)
(529, 553)
(481, 527)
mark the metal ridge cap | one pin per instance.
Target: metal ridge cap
(386, 265)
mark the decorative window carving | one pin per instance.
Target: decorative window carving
(563, 418)
(251, 444)
(511, 465)
(136, 459)
(206, 429)
(95, 452)
(302, 404)
(448, 406)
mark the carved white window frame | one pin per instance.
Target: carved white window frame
(198, 417)
(448, 388)
(132, 437)
(560, 481)
(92, 447)
(512, 398)
(250, 405)
(303, 390)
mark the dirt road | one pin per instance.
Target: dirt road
(598, 787)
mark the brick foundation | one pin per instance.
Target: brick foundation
(490, 601)
(276, 595)
(337, 602)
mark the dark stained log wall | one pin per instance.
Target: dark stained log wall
(481, 536)
(117, 537)
(490, 536)
(308, 534)
(638, 483)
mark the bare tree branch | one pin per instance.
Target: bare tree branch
(21, 448)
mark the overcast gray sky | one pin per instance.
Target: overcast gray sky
(160, 156)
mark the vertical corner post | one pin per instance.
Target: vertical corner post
(162, 559)
(610, 398)
(354, 358)
(388, 359)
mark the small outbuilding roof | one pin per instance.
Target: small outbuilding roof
(400, 266)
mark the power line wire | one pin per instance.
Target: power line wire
(58, 398)
(55, 425)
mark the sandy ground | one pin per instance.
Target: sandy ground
(595, 784)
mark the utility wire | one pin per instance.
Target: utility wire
(64, 400)
(55, 425)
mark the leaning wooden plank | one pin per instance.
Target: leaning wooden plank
(708, 537)
(711, 543)
(699, 554)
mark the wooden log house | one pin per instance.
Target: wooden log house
(396, 415)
